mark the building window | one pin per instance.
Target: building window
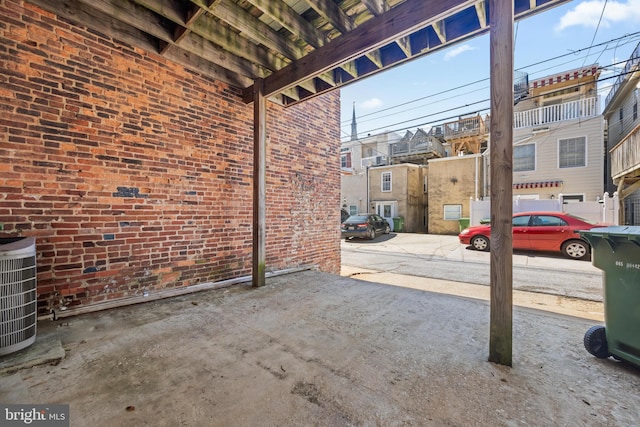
(353, 210)
(635, 104)
(621, 116)
(572, 152)
(345, 161)
(572, 198)
(524, 157)
(386, 181)
(452, 212)
(368, 152)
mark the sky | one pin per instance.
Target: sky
(454, 82)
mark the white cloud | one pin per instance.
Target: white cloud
(588, 14)
(457, 51)
(371, 103)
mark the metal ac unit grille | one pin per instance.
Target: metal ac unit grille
(18, 295)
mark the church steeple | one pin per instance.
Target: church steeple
(354, 127)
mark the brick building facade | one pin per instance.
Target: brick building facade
(135, 174)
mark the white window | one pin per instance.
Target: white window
(353, 210)
(524, 158)
(572, 152)
(452, 212)
(345, 161)
(386, 181)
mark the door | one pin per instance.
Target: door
(547, 232)
(387, 210)
(520, 226)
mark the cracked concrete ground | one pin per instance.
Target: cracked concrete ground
(316, 349)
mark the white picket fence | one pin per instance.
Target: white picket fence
(603, 211)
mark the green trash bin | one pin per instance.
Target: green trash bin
(398, 224)
(463, 222)
(616, 251)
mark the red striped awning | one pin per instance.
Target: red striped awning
(538, 184)
(592, 70)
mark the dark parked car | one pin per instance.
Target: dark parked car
(537, 231)
(364, 226)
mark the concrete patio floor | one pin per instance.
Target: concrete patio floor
(314, 349)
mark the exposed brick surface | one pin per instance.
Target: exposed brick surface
(134, 174)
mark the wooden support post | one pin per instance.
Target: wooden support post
(259, 178)
(501, 160)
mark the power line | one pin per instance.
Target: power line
(604, 6)
(574, 52)
(477, 90)
(469, 113)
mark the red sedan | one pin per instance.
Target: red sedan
(538, 231)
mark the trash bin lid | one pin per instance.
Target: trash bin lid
(615, 232)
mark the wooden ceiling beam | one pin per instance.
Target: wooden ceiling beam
(82, 13)
(405, 46)
(375, 33)
(440, 30)
(376, 57)
(181, 32)
(309, 85)
(376, 7)
(333, 15)
(252, 27)
(193, 62)
(481, 11)
(148, 22)
(237, 45)
(328, 77)
(350, 68)
(230, 41)
(280, 12)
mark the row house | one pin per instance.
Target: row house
(386, 174)
(557, 149)
(558, 141)
(357, 157)
(623, 139)
(558, 138)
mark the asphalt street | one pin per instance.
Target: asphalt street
(443, 257)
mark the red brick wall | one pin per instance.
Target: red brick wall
(134, 174)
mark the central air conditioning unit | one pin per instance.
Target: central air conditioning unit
(18, 295)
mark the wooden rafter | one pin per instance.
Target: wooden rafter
(288, 18)
(397, 23)
(289, 43)
(376, 7)
(481, 11)
(333, 14)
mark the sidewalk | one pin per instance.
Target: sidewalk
(449, 248)
(592, 310)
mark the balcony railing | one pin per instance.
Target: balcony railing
(373, 161)
(632, 62)
(625, 157)
(405, 148)
(469, 126)
(556, 113)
